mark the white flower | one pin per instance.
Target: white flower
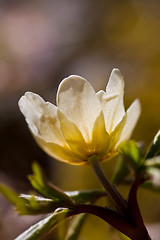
(84, 123)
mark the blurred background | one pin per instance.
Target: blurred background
(42, 42)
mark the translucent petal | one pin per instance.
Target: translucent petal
(72, 135)
(100, 138)
(61, 153)
(133, 114)
(112, 100)
(77, 100)
(41, 117)
(116, 134)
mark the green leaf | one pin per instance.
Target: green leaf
(85, 196)
(75, 227)
(37, 230)
(39, 182)
(33, 205)
(121, 171)
(131, 155)
(154, 148)
(9, 194)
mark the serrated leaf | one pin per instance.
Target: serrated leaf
(75, 227)
(154, 148)
(40, 184)
(38, 229)
(85, 196)
(131, 154)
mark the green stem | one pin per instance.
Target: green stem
(110, 189)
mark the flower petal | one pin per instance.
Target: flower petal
(116, 134)
(61, 153)
(100, 138)
(77, 100)
(41, 117)
(112, 100)
(133, 114)
(72, 135)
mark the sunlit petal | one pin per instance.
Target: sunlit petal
(41, 117)
(100, 138)
(64, 154)
(112, 100)
(72, 135)
(116, 134)
(77, 100)
(133, 114)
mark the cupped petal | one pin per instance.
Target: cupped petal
(112, 100)
(72, 135)
(132, 114)
(100, 137)
(116, 134)
(77, 100)
(61, 153)
(41, 117)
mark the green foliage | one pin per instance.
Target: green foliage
(85, 196)
(37, 230)
(153, 170)
(130, 160)
(132, 155)
(30, 204)
(40, 183)
(60, 205)
(121, 171)
(51, 199)
(33, 205)
(154, 148)
(9, 194)
(75, 227)
(152, 164)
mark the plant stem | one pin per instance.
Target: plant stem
(134, 211)
(114, 219)
(110, 216)
(110, 189)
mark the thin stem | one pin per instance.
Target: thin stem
(110, 189)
